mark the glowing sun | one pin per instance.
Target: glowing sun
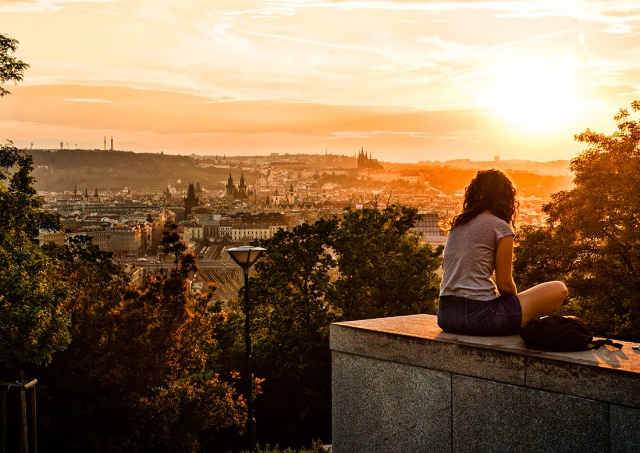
(534, 96)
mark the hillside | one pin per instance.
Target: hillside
(61, 170)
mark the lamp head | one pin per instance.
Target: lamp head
(245, 256)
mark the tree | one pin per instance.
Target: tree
(384, 271)
(173, 244)
(20, 207)
(136, 375)
(310, 277)
(11, 69)
(33, 322)
(593, 232)
(291, 317)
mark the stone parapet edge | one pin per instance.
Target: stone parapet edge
(514, 366)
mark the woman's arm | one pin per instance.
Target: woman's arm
(504, 267)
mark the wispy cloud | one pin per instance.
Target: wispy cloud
(352, 60)
(88, 100)
(45, 6)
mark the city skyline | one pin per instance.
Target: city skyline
(405, 80)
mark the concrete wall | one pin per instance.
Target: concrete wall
(402, 385)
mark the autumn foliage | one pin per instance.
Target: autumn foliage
(592, 238)
(136, 373)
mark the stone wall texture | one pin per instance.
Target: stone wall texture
(402, 385)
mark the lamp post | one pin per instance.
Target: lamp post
(245, 257)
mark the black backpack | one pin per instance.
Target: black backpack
(560, 333)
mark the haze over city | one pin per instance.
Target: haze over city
(405, 80)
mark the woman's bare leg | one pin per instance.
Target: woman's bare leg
(542, 300)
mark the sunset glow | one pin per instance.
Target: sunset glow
(407, 80)
(536, 96)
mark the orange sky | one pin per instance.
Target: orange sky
(406, 80)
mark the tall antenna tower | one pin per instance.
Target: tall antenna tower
(105, 143)
(112, 143)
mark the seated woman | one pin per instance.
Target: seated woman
(480, 244)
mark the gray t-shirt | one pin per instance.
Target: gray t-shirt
(469, 258)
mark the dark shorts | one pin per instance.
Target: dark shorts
(501, 316)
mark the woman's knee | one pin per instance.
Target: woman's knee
(555, 290)
(560, 291)
(542, 299)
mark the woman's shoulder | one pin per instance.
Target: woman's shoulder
(488, 218)
(483, 221)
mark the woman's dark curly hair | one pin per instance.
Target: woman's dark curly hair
(490, 190)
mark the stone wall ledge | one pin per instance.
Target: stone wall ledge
(606, 374)
(402, 385)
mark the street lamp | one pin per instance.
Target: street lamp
(245, 257)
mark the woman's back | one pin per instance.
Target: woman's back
(469, 257)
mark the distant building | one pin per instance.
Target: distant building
(126, 241)
(366, 162)
(190, 201)
(100, 236)
(250, 232)
(51, 237)
(225, 228)
(428, 227)
(236, 193)
(192, 231)
(210, 221)
(253, 226)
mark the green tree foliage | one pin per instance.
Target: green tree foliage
(20, 207)
(135, 376)
(291, 317)
(11, 69)
(294, 277)
(593, 235)
(367, 265)
(316, 447)
(384, 271)
(537, 257)
(33, 321)
(173, 244)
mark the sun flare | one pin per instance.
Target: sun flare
(534, 96)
